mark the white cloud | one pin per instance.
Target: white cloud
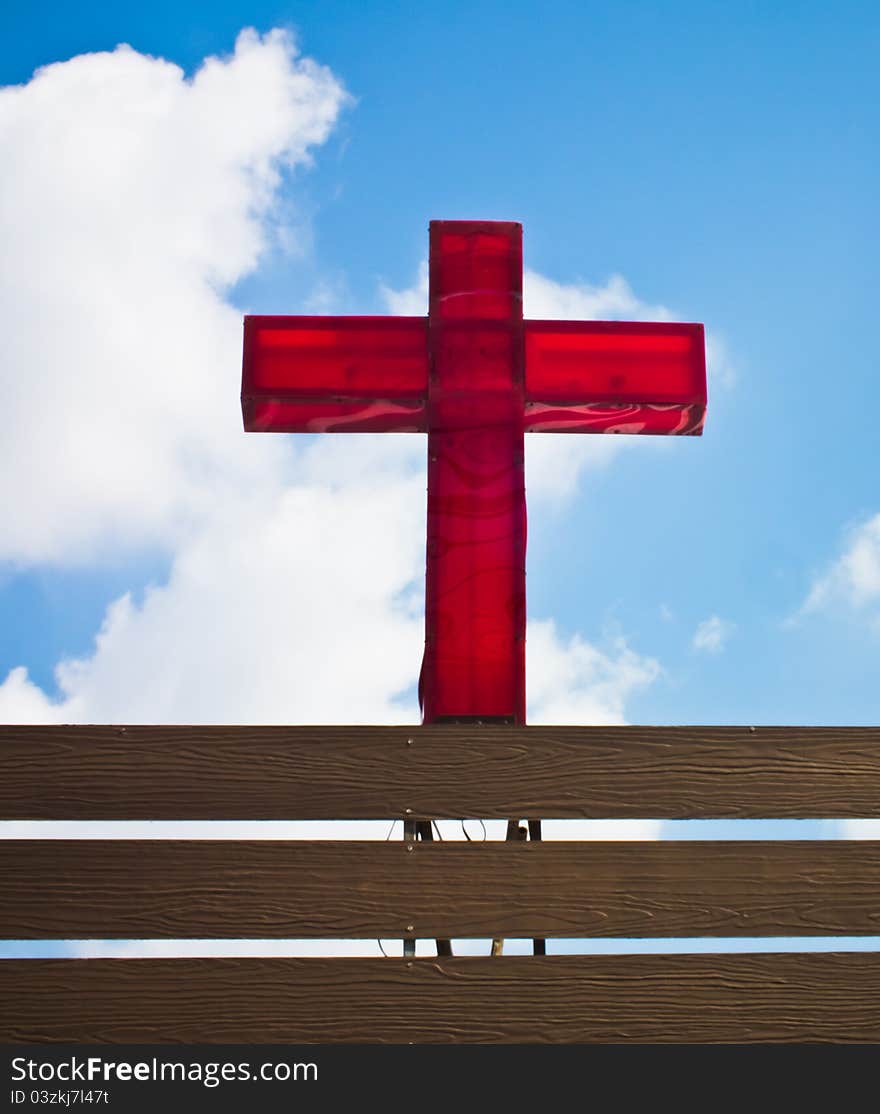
(859, 829)
(853, 580)
(138, 197)
(265, 621)
(712, 634)
(615, 301)
(285, 610)
(720, 369)
(413, 300)
(575, 682)
(21, 701)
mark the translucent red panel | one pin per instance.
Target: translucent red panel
(330, 416)
(607, 417)
(475, 599)
(475, 270)
(288, 358)
(615, 361)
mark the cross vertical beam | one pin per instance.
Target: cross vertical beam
(474, 664)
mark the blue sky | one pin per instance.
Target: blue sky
(712, 162)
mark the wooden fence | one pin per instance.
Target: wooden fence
(68, 889)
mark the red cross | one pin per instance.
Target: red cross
(475, 377)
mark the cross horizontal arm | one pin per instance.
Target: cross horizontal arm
(614, 377)
(370, 374)
(327, 374)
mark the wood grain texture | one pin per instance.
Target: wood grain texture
(634, 998)
(200, 888)
(337, 773)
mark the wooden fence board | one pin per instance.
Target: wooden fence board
(279, 773)
(639, 998)
(262, 888)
